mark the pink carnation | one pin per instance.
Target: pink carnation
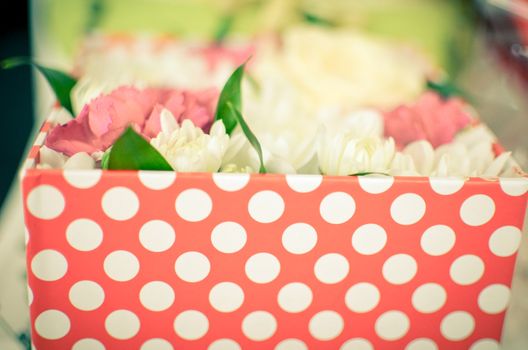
(431, 118)
(105, 118)
(216, 54)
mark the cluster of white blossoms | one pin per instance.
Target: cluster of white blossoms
(469, 154)
(304, 100)
(187, 148)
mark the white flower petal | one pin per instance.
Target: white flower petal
(498, 164)
(81, 161)
(278, 165)
(51, 159)
(422, 154)
(167, 121)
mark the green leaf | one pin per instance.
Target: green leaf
(313, 19)
(231, 94)
(133, 152)
(60, 82)
(446, 89)
(104, 159)
(224, 29)
(249, 134)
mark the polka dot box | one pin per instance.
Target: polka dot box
(158, 260)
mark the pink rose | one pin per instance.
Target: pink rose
(430, 118)
(105, 118)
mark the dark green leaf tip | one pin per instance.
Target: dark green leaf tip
(224, 28)
(231, 93)
(316, 20)
(60, 82)
(445, 89)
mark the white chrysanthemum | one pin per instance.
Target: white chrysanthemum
(346, 154)
(187, 148)
(469, 154)
(241, 157)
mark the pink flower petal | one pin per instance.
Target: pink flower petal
(430, 118)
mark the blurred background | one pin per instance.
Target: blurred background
(480, 45)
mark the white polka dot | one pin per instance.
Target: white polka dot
(194, 205)
(231, 182)
(259, 325)
(266, 207)
(52, 324)
(49, 265)
(295, 297)
(26, 236)
(357, 344)
(392, 325)
(457, 325)
(446, 185)
(438, 240)
(362, 297)
(157, 180)
(514, 187)
(291, 344)
(299, 238)
(45, 202)
(226, 297)
(494, 299)
(224, 344)
(304, 183)
(477, 210)
(156, 344)
(82, 179)
(122, 324)
(399, 269)
(29, 296)
(331, 268)
(262, 268)
(369, 239)
(86, 295)
(228, 237)
(505, 241)
(337, 208)
(466, 269)
(429, 298)
(84, 234)
(121, 265)
(191, 325)
(485, 344)
(156, 296)
(120, 203)
(422, 344)
(407, 209)
(192, 267)
(157, 236)
(326, 325)
(375, 184)
(88, 344)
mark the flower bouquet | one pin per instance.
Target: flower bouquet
(320, 190)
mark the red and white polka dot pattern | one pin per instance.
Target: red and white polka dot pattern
(159, 260)
(145, 260)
